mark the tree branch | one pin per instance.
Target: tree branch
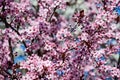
(49, 20)
(7, 25)
(7, 74)
(11, 50)
(3, 8)
(118, 63)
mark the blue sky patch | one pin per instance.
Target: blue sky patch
(19, 59)
(117, 9)
(22, 47)
(111, 42)
(60, 72)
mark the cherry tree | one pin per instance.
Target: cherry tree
(56, 47)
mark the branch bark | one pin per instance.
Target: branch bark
(49, 20)
(7, 74)
(7, 25)
(11, 50)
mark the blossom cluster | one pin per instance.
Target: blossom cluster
(58, 47)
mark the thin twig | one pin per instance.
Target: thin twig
(49, 20)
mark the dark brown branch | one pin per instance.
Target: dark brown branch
(3, 8)
(118, 63)
(49, 20)
(7, 74)
(11, 50)
(118, 3)
(7, 25)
